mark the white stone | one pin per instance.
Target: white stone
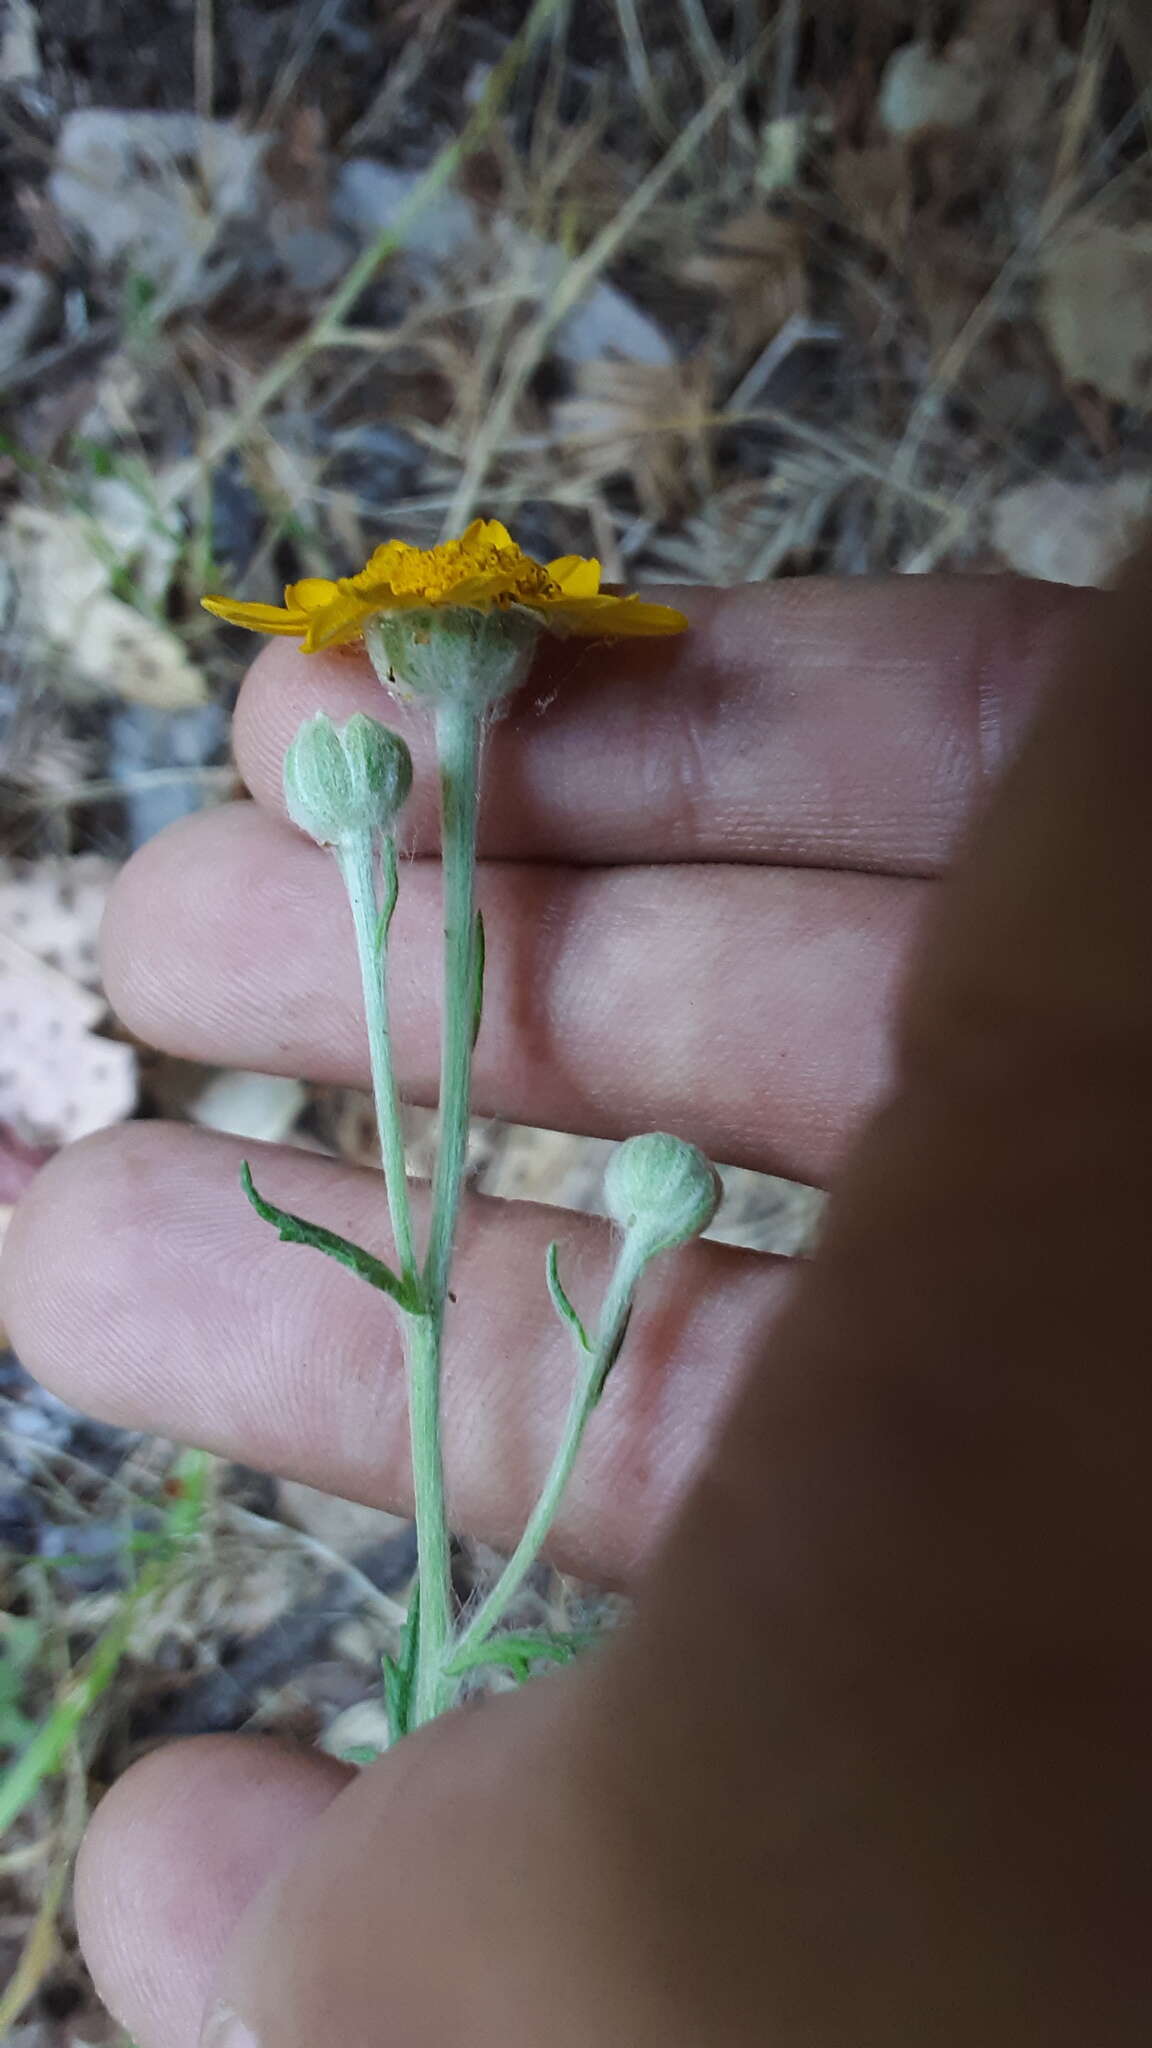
(924, 88)
(1071, 533)
(153, 189)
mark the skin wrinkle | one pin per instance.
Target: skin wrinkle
(185, 1310)
(678, 762)
(236, 906)
(271, 1793)
(999, 721)
(832, 698)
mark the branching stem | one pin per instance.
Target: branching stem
(422, 1330)
(458, 752)
(458, 732)
(595, 1367)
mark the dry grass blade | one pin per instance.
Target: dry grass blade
(650, 422)
(95, 1673)
(41, 1945)
(524, 357)
(640, 68)
(757, 266)
(434, 180)
(428, 22)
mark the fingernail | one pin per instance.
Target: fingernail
(224, 2028)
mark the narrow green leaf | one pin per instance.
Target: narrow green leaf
(395, 1699)
(613, 1355)
(560, 1301)
(411, 1640)
(187, 1496)
(518, 1651)
(297, 1230)
(478, 957)
(399, 1673)
(390, 875)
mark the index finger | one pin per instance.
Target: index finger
(809, 722)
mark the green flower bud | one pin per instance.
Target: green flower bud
(343, 780)
(661, 1190)
(451, 652)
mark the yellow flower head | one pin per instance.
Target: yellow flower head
(483, 571)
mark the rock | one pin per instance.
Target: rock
(142, 741)
(54, 907)
(20, 62)
(1070, 533)
(142, 526)
(376, 460)
(359, 1733)
(608, 323)
(345, 1527)
(35, 1423)
(312, 258)
(263, 1107)
(369, 197)
(154, 190)
(97, 1552)
(29, 299)
(923, 88)
(59, 1079)
(238, 517)
(1095, 306)
(60, 584)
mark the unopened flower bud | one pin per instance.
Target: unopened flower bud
(343, 780)
(661, 1190)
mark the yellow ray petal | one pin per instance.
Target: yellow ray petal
(378, 570)
(612, 618)
(490, 533)
(310, 594)
(577, 575)
(483, 568)
(336, 623)
(258, 618)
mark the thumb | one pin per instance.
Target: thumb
(864, 1768)
(918, 1565)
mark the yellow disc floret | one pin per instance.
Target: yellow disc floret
(482, 571)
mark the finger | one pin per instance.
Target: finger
(138, 1284)
(935, 1492)
(539, 1941)
(745, 1007)
(821, 723)
(176, 1851)
(866, 1766)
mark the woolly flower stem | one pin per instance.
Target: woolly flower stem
(596, 1364)
(458, 730)
(421, 1329)
(458, 733)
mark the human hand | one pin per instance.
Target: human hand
(818, 1793)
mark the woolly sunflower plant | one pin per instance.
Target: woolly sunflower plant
(455, 627)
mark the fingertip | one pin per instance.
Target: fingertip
(127, 967)
(174, 1854)
(42, 1244)
(177, 941)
